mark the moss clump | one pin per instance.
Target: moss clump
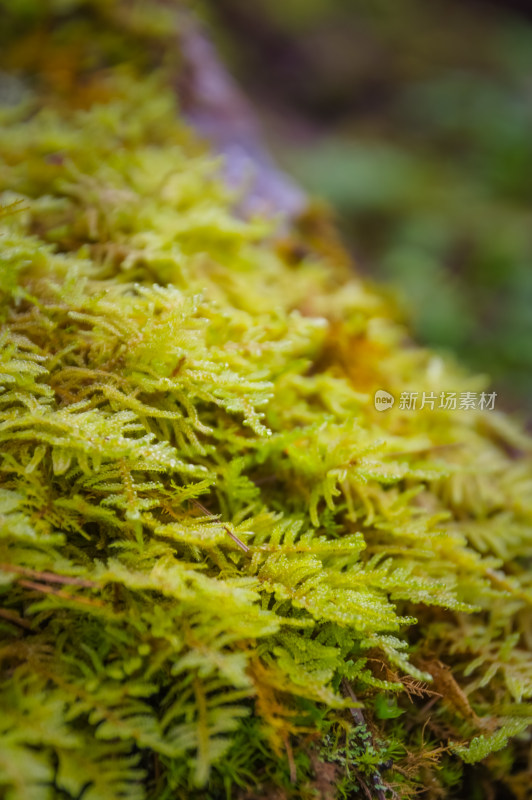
(223, 572)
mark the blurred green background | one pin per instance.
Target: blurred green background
(414, 120)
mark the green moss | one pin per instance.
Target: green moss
(222, 570)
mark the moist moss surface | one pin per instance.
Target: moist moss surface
(223, 572)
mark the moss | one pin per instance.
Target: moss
(224, 573)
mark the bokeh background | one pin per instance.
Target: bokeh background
(413, 119)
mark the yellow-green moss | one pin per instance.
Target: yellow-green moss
(222, 570)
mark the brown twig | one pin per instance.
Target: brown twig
(291, 762)
(356, 713)
(358, 716)
(230, 533)
(12, 616)
(39, 587)
(48, 577)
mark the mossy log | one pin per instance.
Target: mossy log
(224, 572)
